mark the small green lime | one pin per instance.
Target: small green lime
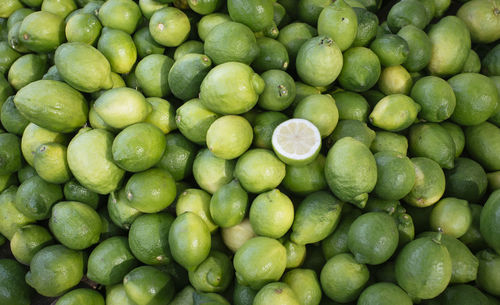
(271, 214)
(211, 172)
(320, 110)
(169, 26)
(28, 240)
(147, 285)
(229, 136)
(302, 180)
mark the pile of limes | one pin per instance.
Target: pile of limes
(265, 152)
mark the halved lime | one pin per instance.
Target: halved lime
(296, 141)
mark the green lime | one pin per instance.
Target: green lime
(12, 218)
(344, 288)
(407, 12)
(306, 179)
(361, 69)
(229, 136)
(294, 35)
(389, 141)
(259, 261)
(279, 91)
(489, 220)
(259, 170)
(178, 157)
(162, 114)
(145, 43)
(256, 14)
(151, 191)
(234, 237)
(183, 297)
(487, 274)
(84, 295)
(9, 55)
(208, 22)
(423, 268)
(122, 15)
(240, 92)
(211, 172)
(243, 295)
(42, 41)
(35, 197)
(394, 80)
(148, 7)
(228, 205)
(457, 134)
(466, 180)
(463, 294)
(395, 175)
(483, 145)
(451, 216)
(339, 22)
(10, 7)
(472, 63)
(450, 45)
(320, 110)
(10, 179)
(351, 106)
(391, 49)
(74, 191)
(316, 217)
(394, 112)
(295, 254)
(351, 171)
(469, 88)
(189, 240)
(188, 47)
(147, 285)
(272, 55)
(432, 141)
(231, 42)
(14, 289)
(61, 8)
(490, 65)
(110, 261)
(193, 120)
(493, 180)
(305, 284)
(118, 47)
(429, 183)
(84, 28)
(419, 46)
(148, 238)
(196, 201)
(482, 20)
(186, 75)
(27, 241)
(307, 10)
(200, 298)
(10, 153)
(271, 214)
(214, 274)
(367, 27)
(276, 293)
(51, 163)
(352, 128)
(55, 269)
(26, 69)
(18, 15)
(120, 212)
(263, 127)
(319, 61)
(169, 26)
(435, 96)
(152, 75)
(379, 293)
(473, 238)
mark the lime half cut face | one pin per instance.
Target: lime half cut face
(296, 141)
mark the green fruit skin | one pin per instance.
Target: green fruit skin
(464, 264)
(437, 90)
(339, 22)
(400, 16)
(55, 269)
(473, 238)
(84, 28)
(259, 261)
(391, 49)
(52, 105)
(169, 26)
(123, 15)
(371, 246)
(316, 217)
(231, 88)
(294, 35)
(367, 27)
(118, 48)
(91, 162)
(184, 297)
(189, 240)
(74, 191)
(147, 285)
(381, 293)
(487, 274)
(83, 67)
(178, 157)
(276, 293)
(110, 261)
(207, 23)
(490, 62)
(420, 48)
(231, 42)
(490, 220)
(51, 163)
(423, 268)
(467, 180)
(352, 128)
(272, 55)
(279, 92)
(336, 242)
(28, 240)
(10, 154)
(348, 287)
(27, 69)
(463, 294)
(432, 141)
(12, 218)
(229, 137)
(450, 41)
(482, 143)
(84, 295)
(196, 201)
(145, 43)
(209, 298)
(186, 75)
(35, 197)
(305, 284)
(319, 61)
(477, 98)
(188, 47)
(75, 224)
(42, 41)
(214, 274)
(256, 14)
(351, 171)
(9, 55)
(11, 119)
(395, 175)
(120, 212)
(211, 172)
(457, 134)
(351, 106)
(472, 64)
(361, 69)
(303, 180)
(193, 120)
(228, 205)
(15, 291)
(481, 19)
(152, 75)
(394, 112)
(429, 183)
